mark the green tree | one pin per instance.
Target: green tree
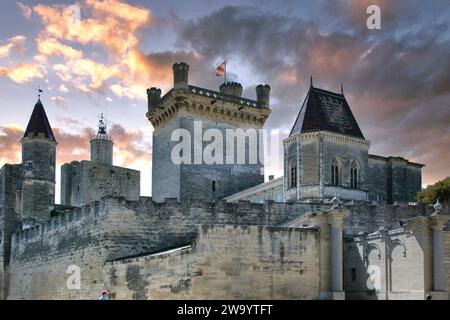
(440, 190)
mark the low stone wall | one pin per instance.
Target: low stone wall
(225, 262)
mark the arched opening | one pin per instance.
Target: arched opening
(335, 172)
(354, 179)
(213, 186)
(397, 262)
(293, 174)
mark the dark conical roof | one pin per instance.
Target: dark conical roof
(326, 111)
(39, 123)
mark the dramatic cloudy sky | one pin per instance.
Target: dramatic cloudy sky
(396, 79)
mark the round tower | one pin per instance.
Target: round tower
(180, 75)
(263, 96)
(102, 145)
(39, 161)
(154, 98)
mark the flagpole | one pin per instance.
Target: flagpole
(225, 71)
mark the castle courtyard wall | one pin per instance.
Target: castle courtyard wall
(225, 262)
(115, 228)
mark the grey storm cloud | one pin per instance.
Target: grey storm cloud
(396, 81)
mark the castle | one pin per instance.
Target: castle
(340, 224)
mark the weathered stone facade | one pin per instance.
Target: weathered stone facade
(120, 231)
(406, 263)
(188, 112)
(326, 155)
(225, 262)
(86, 181)
(188, 242)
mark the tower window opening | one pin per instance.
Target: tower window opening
(213, 186)
(354, 175)
(293, 174)
(29, 166)
(335, 178)
(353, 274)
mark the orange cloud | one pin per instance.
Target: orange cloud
(23, 73)
(14, 43)
(52, 47)
(10, 136)
(85, 74)
(130, 146)
(111, 24)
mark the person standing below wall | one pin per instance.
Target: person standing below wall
(104, 296)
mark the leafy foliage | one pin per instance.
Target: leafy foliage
(440, 190)
(56, 213)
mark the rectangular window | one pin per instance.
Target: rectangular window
(29, 166)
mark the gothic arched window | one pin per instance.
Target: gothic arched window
(354, 175)
(335, 177)
(293, 174)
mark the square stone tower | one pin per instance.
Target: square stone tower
(189, 123)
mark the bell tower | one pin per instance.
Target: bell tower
(102, 145)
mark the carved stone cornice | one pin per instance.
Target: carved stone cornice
(329, 136)
(211, 104)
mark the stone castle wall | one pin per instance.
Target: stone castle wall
(10, 181)
(393, 179)
(86, 181)
(398, 262)
(196, 180)
(115, 228)
(41, 256)
(225, 262)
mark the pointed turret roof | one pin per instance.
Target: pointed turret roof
(39, 123)
(326, 111)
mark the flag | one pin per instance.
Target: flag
(220, 70)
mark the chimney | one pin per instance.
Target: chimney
(180, 75)
(271, 177)
(154, 98)
(263, 96)
(232, 89)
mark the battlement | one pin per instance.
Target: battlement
(64, 221)
(206, 102)
(272, 213)
(227, 103)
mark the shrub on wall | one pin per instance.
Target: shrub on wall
(55, 213)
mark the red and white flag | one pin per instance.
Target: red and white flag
(220, 70)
